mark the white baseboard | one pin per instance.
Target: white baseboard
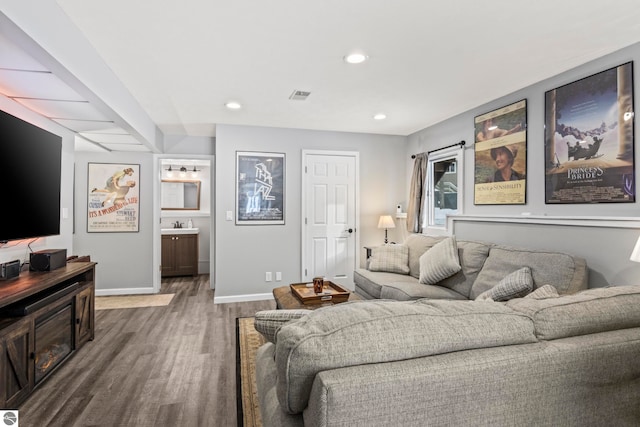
(242, 298)
(216, 300)
(124, 291)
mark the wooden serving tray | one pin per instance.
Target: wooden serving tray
(331, 292)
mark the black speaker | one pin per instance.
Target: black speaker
(9, 270)
(47, 260)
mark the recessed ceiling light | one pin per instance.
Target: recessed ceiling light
(233, 105)
(380, 116)
(356, 58)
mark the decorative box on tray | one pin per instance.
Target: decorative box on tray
(331, 292)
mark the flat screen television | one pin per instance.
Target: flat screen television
(30, 167)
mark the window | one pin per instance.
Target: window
(444, 187)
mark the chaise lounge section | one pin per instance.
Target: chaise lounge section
(543, 360)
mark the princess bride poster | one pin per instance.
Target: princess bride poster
(589, 143)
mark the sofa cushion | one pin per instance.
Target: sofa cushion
(591, 311)
(390, 258)
(372, 282)
(405, 291)
(544, 292)
(515, 285)
(439, 262)
(419, 244)
(472, 256)
(364, 332)
(568, 274)
(268, 322)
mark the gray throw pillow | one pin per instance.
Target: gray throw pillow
(439, 262)
(515, 285)
(269, 322)
(390, 258)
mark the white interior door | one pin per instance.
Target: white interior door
(330, 213)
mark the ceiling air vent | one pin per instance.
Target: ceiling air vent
(299, 95)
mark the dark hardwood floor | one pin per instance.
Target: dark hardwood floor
(157, 366)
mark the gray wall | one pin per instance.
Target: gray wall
(125, 260)
(461, 127)
(607, 250)
(245, 253)
(605, 246)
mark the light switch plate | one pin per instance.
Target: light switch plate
(229, 215)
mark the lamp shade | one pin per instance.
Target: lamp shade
(386, 221)
(635, 255)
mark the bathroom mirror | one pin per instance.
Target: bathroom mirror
(180, 195)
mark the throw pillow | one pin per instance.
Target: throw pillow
(544, 292)
(439, 262)
(390, 258)
(269, 322)
(515, 285)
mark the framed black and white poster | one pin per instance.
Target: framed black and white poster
(260, 191)
(589, 141)
(113, 199)
(500, 171)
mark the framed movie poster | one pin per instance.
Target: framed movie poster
(259, 188)
(589, 144)
(113, 199)
(500, 174)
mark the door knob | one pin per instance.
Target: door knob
(350, 230)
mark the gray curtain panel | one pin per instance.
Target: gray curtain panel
(417, 193)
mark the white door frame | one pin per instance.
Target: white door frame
(303, 198)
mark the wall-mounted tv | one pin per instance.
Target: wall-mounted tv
(30, 166)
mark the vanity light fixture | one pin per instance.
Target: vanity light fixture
(183, 172)
(194, 172)
(355, 58)
(169, 172)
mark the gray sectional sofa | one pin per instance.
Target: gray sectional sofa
(482, 266)
(540, 360)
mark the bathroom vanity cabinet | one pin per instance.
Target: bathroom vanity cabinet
(179, 254)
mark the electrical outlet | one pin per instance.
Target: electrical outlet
(278, 276)
(268, 277)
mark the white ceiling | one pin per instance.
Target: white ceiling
(428, 60)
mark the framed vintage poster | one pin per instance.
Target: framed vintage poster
(260, 188)
(113, 200)
(500, 174)
(589, 146)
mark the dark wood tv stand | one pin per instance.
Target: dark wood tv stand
(45, 317)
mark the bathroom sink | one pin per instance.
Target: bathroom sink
(180, 230)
